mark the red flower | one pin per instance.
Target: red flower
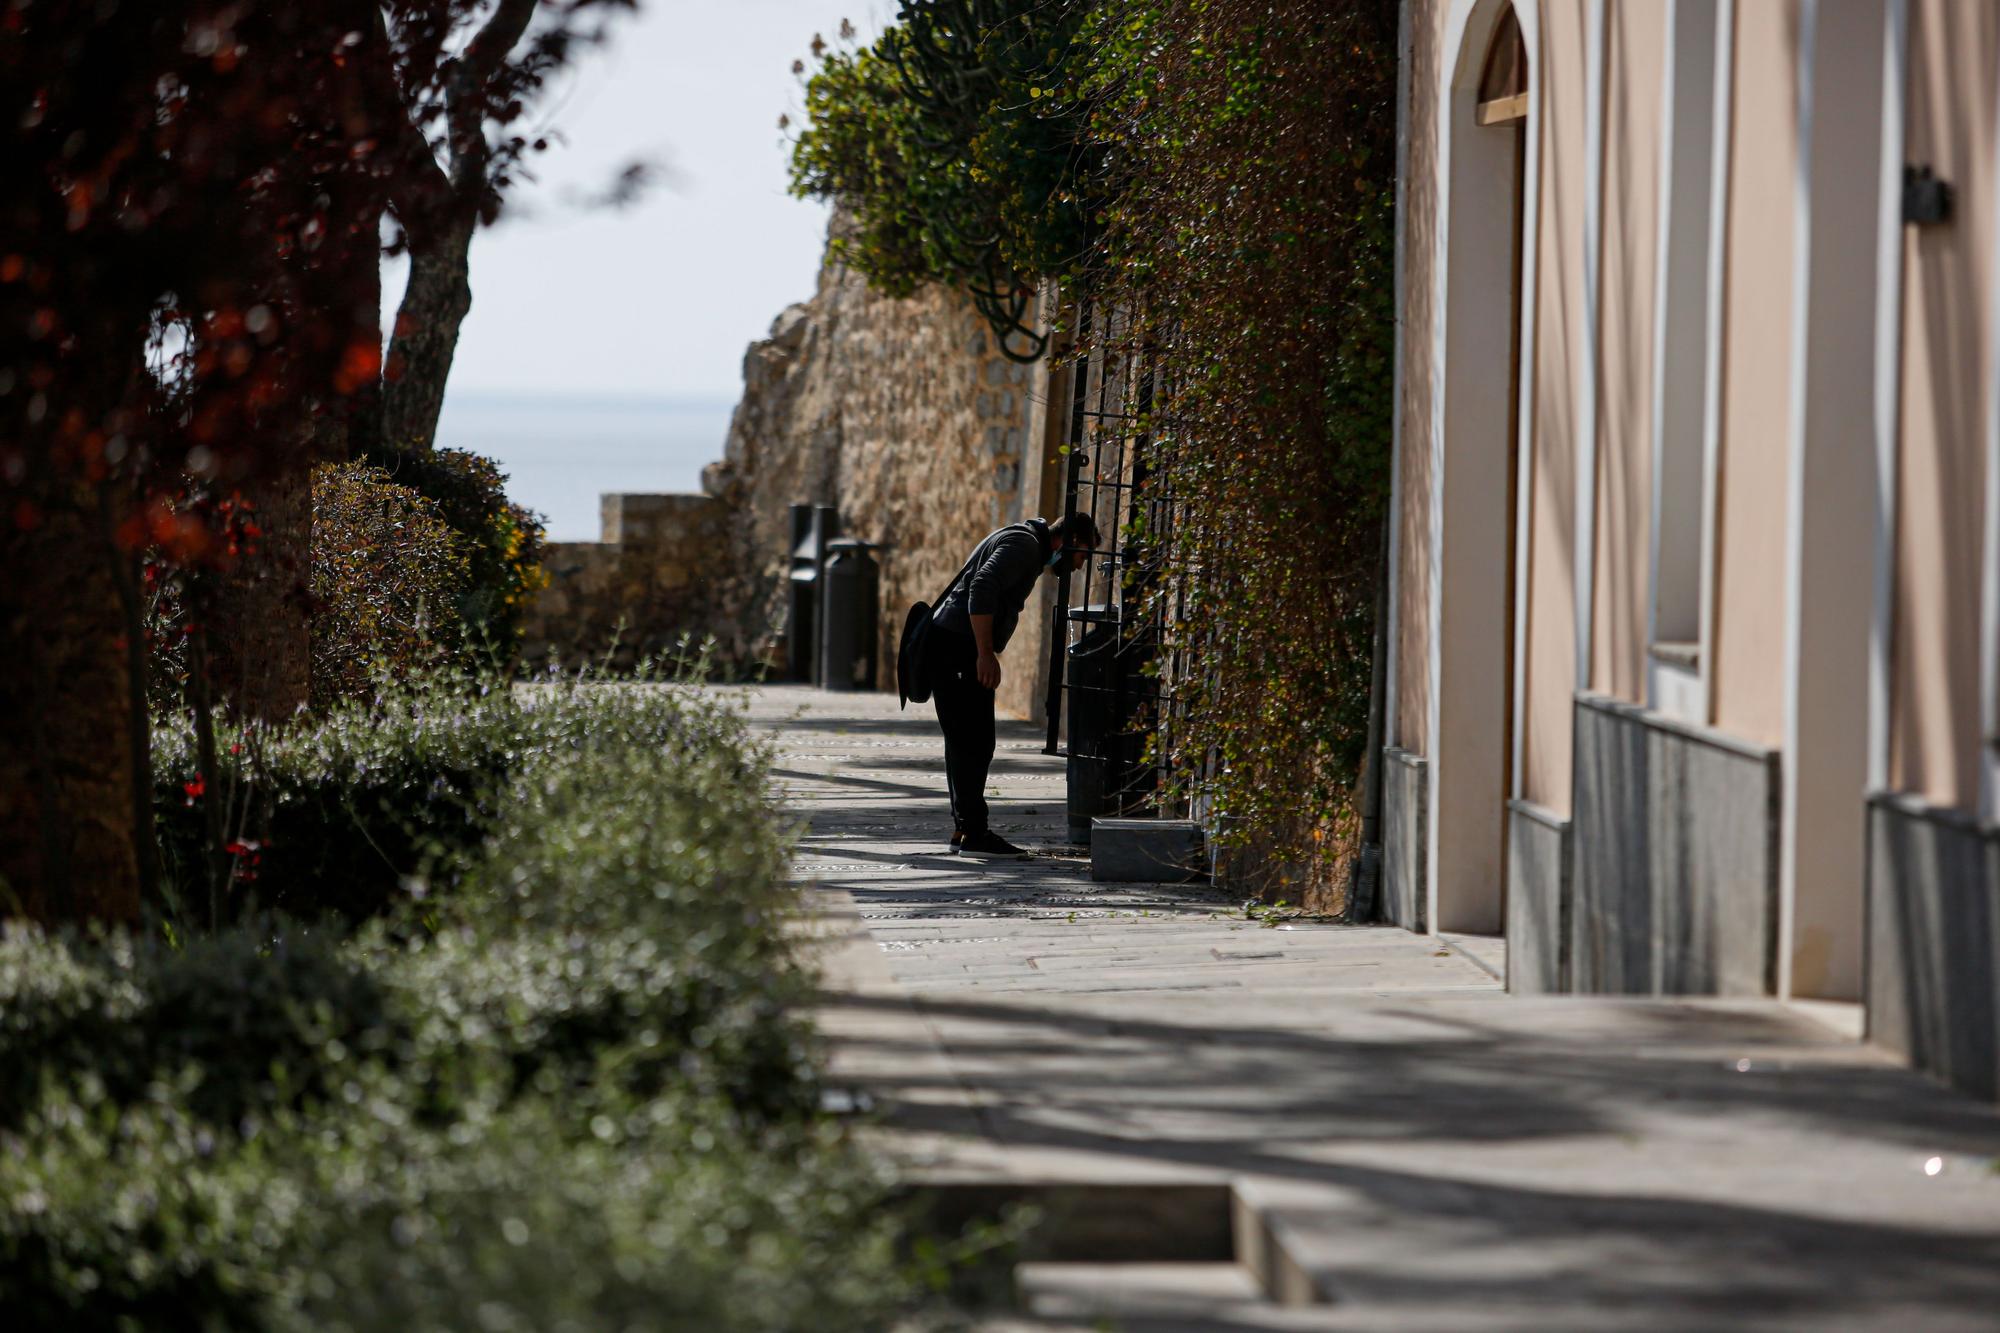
(247, 858)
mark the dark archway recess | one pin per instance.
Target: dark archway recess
(1503, 82)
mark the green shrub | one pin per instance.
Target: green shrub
(670, 900)
(337, 814)
(503, 540)
(567, 1087)
(959, 155)
(388, 574)
(659, 1216)
(377, 799)
(119, 1219)
(579, 1211)
(234, 1026)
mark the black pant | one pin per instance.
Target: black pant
(965, 712)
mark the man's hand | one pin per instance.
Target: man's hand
(988, 666)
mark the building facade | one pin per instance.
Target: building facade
(1695, 612)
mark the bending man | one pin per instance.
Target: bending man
(969, 631)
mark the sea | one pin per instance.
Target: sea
(561, 452)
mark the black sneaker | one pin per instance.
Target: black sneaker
(990, 846)
(957, 837)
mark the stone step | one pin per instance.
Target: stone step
(1123, 1250)
(1153, 1295)
(1147, 851)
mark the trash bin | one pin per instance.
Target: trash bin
(1104, 749)
(850, 600)
(812, 528)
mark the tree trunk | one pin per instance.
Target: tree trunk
(439, 217)
(66, 778)
(260, 633)
(426, 333)
(123, 568)
(348, 423)
(349, 289)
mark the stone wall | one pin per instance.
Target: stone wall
(634, 594)
(900, 412)
(903, 414)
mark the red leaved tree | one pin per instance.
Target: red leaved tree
(189, 319)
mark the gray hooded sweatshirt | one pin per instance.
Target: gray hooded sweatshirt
(1004, 568)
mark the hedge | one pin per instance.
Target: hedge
(564, 1086)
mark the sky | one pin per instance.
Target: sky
(658, 300)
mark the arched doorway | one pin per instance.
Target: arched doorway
(1477, 436)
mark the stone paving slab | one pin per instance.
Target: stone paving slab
(1430, 1152)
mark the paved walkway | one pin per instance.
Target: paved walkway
(1397, 1142)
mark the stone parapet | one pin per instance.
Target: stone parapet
(650, 582)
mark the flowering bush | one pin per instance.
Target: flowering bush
(333, 814)
(382, 798)
(388, 575)
(503, 540)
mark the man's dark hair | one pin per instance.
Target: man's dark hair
(1076, 530)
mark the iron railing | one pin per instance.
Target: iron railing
(1123, 602)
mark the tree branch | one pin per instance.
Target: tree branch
(422, 184)
(466, 101)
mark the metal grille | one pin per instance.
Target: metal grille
(1106, 675)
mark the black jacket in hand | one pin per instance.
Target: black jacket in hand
(1003, 572)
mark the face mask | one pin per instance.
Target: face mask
(1056, 556)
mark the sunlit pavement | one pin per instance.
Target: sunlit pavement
(1414, 1148)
